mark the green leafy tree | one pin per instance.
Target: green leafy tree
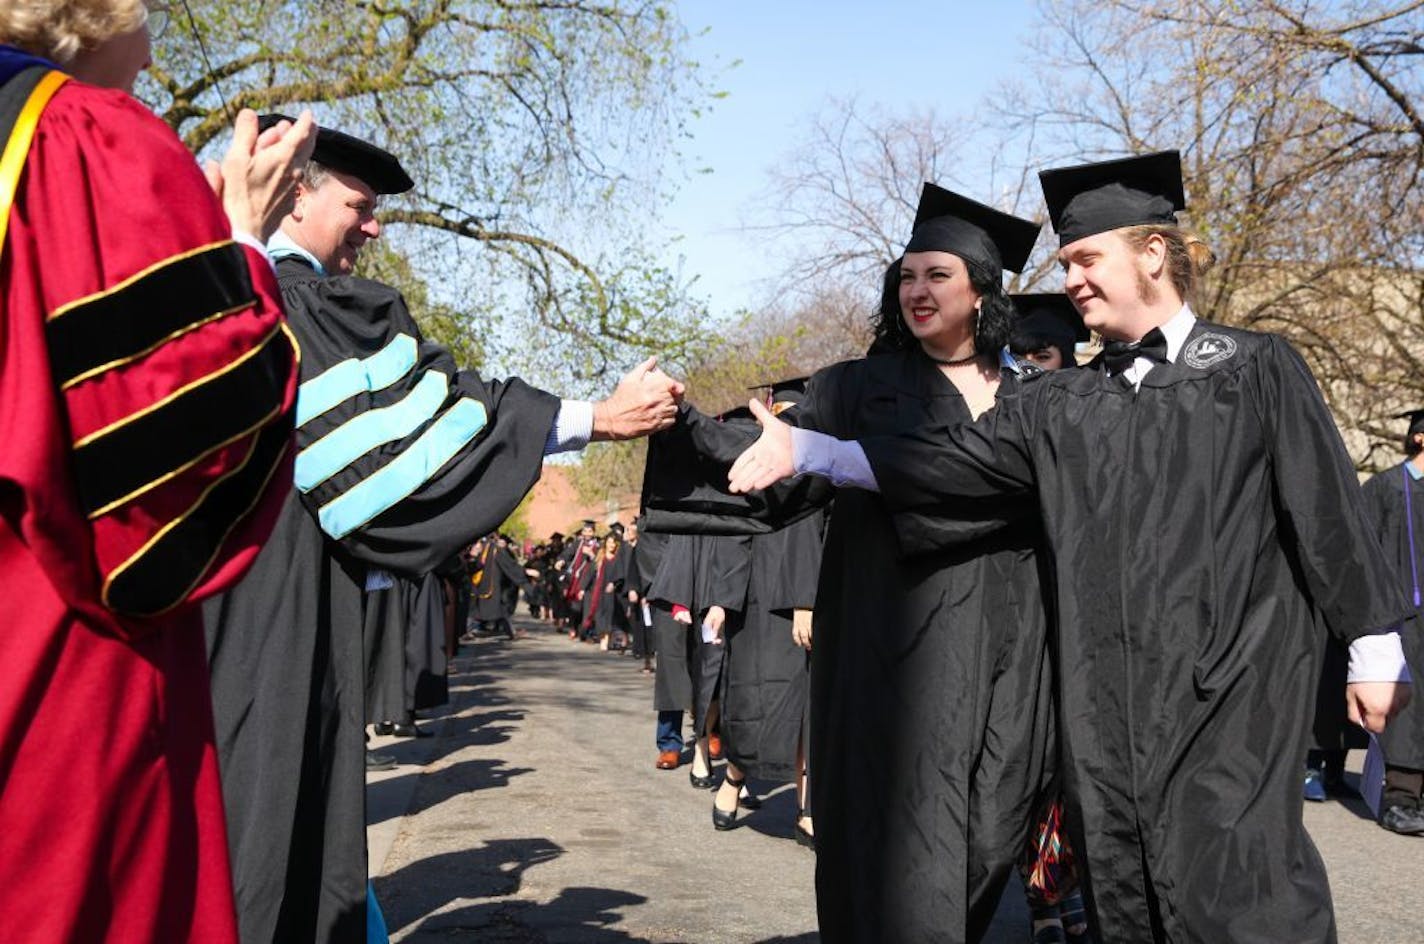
(440, 323)
(536, 131)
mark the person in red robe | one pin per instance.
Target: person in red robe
(146, 388)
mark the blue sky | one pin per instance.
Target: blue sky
(796, 55)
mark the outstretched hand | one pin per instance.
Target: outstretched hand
(257, 179)
(1372, 704)
(645, 401)
(768, 460)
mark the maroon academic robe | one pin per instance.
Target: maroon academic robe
(146, 382)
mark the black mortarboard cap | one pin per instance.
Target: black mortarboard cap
(784, 394)
(1416, 420)
(948, 222)
(350, 155)
(1049, 315)
(1093, 198)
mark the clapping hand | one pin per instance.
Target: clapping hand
(768, 460)
(257, 179)
(645, 401)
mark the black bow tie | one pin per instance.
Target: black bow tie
(1118, 356)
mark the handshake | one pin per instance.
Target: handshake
(645, 401)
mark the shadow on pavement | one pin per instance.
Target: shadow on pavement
(437, 786)
(583, 915)
(413, 897)
(494, 869)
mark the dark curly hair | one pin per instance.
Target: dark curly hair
(992, 328)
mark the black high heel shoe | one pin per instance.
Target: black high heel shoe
(701, 783)
(723, 820)
(803, 836)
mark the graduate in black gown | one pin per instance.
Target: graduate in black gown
(605, 602)
(406, 669)
(766, 677)
(402, 459)
(1045, 337)
(931, 721)
(1394, 501)
(640, 625)
(701, 582)
(1200, 512)
(496, 572)
(1047, 331)
(670, 640)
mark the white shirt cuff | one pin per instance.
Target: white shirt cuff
(247, 239)
(572, 429)
(841, 461)
(1378, 658)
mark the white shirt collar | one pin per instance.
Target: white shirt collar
(1176, 331)
(281, 246)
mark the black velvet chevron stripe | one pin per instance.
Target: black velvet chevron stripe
(129, 321)
(133, 456)
(169, 569)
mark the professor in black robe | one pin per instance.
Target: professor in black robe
(403, 458)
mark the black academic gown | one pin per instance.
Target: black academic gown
(1196, 527)
(285, 646)
(384, 630)
(931, 714)
(491, 595)
(767, 680)
(698, 572)
(405, 648)
(1403, 740)
(427, 674)
(669, 639)
(608, 611)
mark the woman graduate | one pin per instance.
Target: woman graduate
(1201, 512)
(930, 703)
(602, 586)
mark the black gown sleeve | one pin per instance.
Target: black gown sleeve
(675, 581)
(935, 467)
(685, 479)
(1320, 502)
(510, 568)
(799, 567)
(409, 502)
(724, 571)
(645, 563)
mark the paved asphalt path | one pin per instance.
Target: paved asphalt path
(535, 815)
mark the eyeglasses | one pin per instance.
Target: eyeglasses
(157, 19)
